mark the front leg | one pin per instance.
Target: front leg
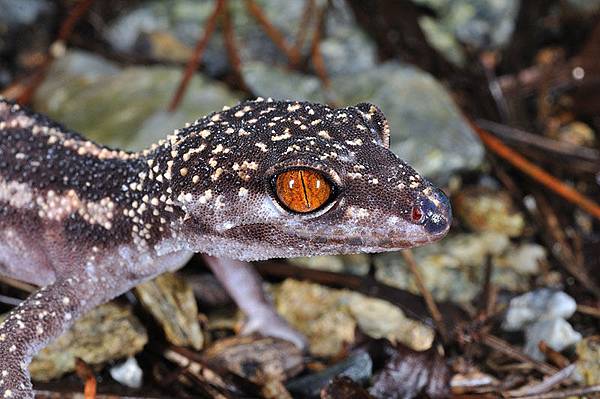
(244, 285)
(30, 326)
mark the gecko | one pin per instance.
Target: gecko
(262, 179)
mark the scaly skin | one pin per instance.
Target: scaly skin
(88, 223)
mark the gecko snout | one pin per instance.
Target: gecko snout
(437, 213)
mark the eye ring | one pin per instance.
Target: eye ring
(303, 190)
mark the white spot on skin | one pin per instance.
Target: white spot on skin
(217, 149)
(243, 192)
(283, 136)
(217, 173)
(324, 134)
(263, 147)
(204, 198)
(204, 133)
(357, 212)
(354, 142)
(293, 107)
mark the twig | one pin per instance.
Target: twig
(316, 56)
(231, 47)
(488, 61)
(560, 248)
(431, 305)
(569, 155)
(85, 373)
(566, 393)
(196, 57)
(554, 357)
(538, 174)
(489, 291)
(304, 23)
(8, 300)
(512, 352)
(589, 310)
(56, 49)
(292, 54)
(545, 385)
(521, 136)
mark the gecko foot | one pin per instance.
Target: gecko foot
(271, 324)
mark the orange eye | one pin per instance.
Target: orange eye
(302, 190)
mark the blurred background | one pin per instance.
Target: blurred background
(496, 101)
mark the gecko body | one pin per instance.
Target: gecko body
(88, 222)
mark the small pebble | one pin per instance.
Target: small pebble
(128, 373)
(557, 333)
(541, 304)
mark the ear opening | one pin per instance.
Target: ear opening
(377, 121)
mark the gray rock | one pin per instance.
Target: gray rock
(557, 333)
(128, 373)
(280, 83)
(124, 107)
(23, 12)
(541, 304)
(345, 49)
(483, 24)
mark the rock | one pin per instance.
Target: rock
(171, 301)
(353, 264)
(484, 209)
(484, 24)
(588, 362)
(557, 333)
(346, 49)
(577, 133)
(24, 12)
(541, 304)
(123, 107)
(329, 317)
(107, 332)
(453, 268)
(542, 313)
(258, 359)
(128, 373)
(525, 258)
(278, 82)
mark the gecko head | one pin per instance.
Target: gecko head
(301, 179)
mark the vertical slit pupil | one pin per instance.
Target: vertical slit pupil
(302, 190)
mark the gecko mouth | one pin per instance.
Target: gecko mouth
(373, 242)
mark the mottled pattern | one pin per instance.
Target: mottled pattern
(109, 219)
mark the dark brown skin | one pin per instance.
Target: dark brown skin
(97, 221)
